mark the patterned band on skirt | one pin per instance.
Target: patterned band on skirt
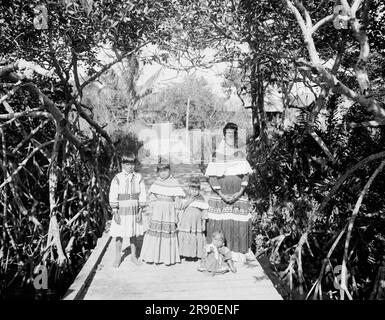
(234, 220)
(191, 234)
(128, 227)
(160, 244)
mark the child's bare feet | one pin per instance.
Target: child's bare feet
(250, 256)
(116, 263)
(135, 260)
(231, 266)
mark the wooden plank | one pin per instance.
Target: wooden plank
(223, 282)
(181, 281)
(234, 287)
(85, 274)
(213, 294)
(239, 293)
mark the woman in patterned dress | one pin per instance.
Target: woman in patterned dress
(228, 203)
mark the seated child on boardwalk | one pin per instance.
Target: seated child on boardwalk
(160, 244)
(217, 259)
(192, 222)
(127, 197)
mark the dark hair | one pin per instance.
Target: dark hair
(128, 158)
(163, 164)
(195, 183)
(220, 233)
(232, 125)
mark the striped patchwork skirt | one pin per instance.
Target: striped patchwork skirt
(233, 219)
(160, 243)
(128, 226)
(190, 233)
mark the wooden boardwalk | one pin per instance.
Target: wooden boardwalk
(99, 280)
(179, 282)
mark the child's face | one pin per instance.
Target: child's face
(194, 191)
(218, 241)
(164, 173)
(128, 167)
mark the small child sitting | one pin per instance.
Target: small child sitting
(217, 259)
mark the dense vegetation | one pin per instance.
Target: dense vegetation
(318, 189)
(54, 177)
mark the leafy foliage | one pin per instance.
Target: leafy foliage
(291, 182)
(52, 171)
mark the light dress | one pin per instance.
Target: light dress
(160, 244)
(127, 194)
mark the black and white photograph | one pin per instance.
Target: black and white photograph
(205, 152)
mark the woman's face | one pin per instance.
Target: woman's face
(128, 167)
(230, 137)
(164, 173)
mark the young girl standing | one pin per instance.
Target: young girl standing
(160, 244)
(127, 198)
(192, 222)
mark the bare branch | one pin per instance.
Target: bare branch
(50, 106)
(24, 162)
(297, 15)
(338, 59)
(355, 6)
(76, 74)
(368, 124)
(337, 86)
(346, 6)
(319, 104)
(347, 174)
(323, 21)
(109, 65)
(30, 113)
(94, 124)
(300, 5)
(306, 32)
(317, 284)
(27, 138)
(58, 68)
(11, 92)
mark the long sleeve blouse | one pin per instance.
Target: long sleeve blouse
(127, 185)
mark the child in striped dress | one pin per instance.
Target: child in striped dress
(127, 198)
(160, 243)
(192, 222)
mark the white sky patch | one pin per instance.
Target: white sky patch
(169, 75)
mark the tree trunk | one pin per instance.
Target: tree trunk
(257, 103)
(261, 106)
(53, 237)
